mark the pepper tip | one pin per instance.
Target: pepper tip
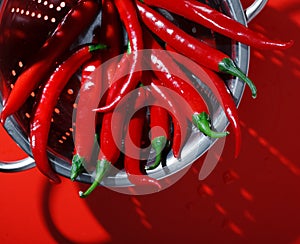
(54, 179)
(81, 194)
(289, 44)
(3, 117)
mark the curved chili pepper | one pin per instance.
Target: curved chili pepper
(116, 79)
(229, 107)
(41, 121)
(179, 135)
(109, 151)
(163, 67)
(219, 89)
(216, 21)
(160, 124)
(132, 165)
(190, 46)
(84, 139)
(180, 121)
(160, 132)
(111, 134)
(76, 20)
(129, 17)
(110, 32)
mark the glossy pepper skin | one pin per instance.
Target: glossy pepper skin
(110, 33)
(128, 15)
(160, 132)
(117, 77)
(164, 67)
(180, 122)
(229, 108)
(109, 153)
(216, 21)
(219, 89)
(41, 66)
(41, 121)
(132, 163)
(190, 46)
(111, 136)
(111, 133)
(84, 138)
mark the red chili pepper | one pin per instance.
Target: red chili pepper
(116, 73)
(129, 17)
(160, 132)
(190, 46)
(180, 134)
(84, 139)
(77, 19)
(180, 122)
(41, 121)
(228, 105)
(164, 68)
(216, 21)
(110, 32)
(109, 151)
(219, 89)
(160, 124)
(111, 134)
(132, 164)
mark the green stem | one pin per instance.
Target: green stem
(96, 47)
(228, 66)
(101, 168)
(128, 51)
(202, 122)
(158, 145)
(79, 162)
(77, 166)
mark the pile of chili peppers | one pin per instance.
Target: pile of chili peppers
(146, 29)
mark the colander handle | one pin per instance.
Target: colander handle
(254, 9)
(16, 166)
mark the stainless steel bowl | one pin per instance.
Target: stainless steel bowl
(196, 145)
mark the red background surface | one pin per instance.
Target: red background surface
(252, 199)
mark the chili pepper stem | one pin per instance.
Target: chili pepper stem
(101, 168)
(96, 47)
(228, 66)
(77, 166)
(202, 122)
(158, 144)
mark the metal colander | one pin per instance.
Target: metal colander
(24, 27)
